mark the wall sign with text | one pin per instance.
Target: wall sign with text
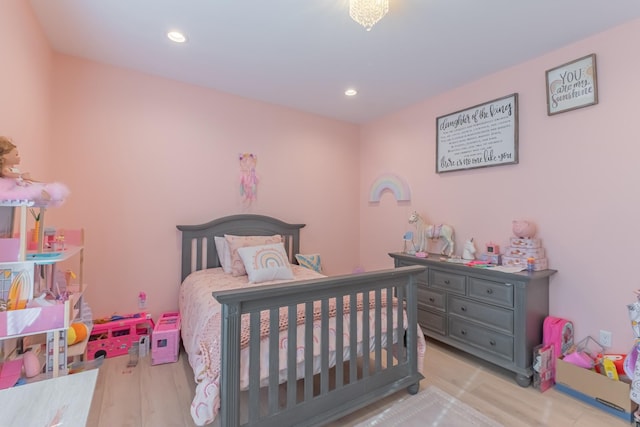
(572, 85)
(480, 136)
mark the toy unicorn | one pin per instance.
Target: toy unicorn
(469, 250)
(424, 231)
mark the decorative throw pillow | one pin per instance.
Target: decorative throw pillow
(236, 242)
(311, 261)
(224, 256)
(267, 262)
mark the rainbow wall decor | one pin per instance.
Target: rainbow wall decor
(390, 182)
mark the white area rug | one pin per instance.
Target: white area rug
(430, 407)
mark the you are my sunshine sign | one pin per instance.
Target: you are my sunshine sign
(572, 85)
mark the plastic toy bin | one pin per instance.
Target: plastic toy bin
(165, 341)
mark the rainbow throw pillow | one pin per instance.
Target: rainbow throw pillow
(266, 262)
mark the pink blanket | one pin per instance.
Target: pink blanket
(283, 322)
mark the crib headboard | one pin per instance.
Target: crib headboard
(199, 249)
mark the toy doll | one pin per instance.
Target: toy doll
(248, 177)
(17, 185)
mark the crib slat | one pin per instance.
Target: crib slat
(378, 330)
(324, 347)
(274, 365)
(339, 342)
(353, 338)
(366, 329)
(254, 366)
(389, 309)
(412, 319)
(292, 351)
(401, 353)
(199, 254)
(308, 351)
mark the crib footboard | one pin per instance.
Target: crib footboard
(349, 372)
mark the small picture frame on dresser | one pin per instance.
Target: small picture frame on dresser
(492, 248)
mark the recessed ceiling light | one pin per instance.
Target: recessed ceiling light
(176, 36)
(351, 92)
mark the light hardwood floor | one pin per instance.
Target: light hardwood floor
(160, 396)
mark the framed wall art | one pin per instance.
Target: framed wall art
(480, 136)
(572, 85)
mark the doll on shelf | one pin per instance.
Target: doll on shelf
(17, 185)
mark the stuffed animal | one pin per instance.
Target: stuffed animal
(523, 229)
(31, 364)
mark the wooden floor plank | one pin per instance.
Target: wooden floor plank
(122, 381)
(160, 409)
(161, 395)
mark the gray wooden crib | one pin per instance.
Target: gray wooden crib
(342, 387)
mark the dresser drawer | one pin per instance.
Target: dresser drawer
(432, 321)
(431, 298)
(494, 317)
(492, 292)
(485, 339)
(450, 282)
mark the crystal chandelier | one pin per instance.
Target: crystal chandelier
(368, 12)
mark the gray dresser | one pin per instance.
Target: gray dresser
(492, 315)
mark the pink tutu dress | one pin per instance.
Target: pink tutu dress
(51, 194)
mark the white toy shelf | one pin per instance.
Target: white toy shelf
(52, 320)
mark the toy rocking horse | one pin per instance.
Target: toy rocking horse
(424, 231)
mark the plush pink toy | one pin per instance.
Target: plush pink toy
(523, 229)
(31, 364)
(16, 185)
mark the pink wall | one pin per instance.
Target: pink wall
(577, 179)
(142, 154)
(25, 86)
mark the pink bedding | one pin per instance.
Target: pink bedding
(201, 335)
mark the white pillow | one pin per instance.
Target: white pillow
(235, 242)
(266, 262)
(224, 255)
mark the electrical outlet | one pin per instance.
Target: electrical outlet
(605, 338)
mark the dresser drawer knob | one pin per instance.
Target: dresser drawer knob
(492, 342)
(463, 332)
(432, 299)
(489, 291)
(463, 308)
(446, 282)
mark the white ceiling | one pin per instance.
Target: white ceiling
(303, 54)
